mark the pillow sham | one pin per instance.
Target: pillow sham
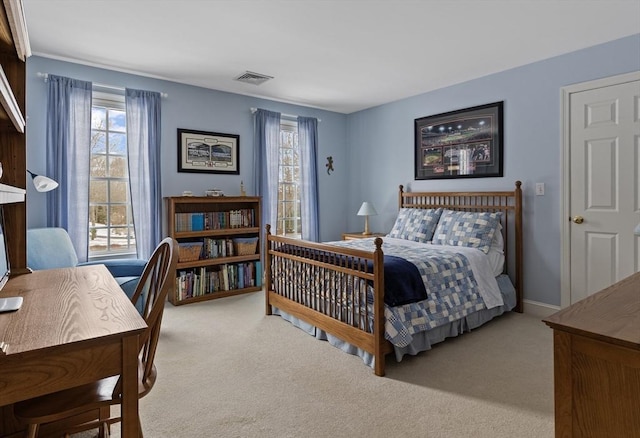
(416, 224)
(465, 228)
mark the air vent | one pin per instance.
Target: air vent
(253, 78)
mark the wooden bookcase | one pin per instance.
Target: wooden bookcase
(14, 49)
(227, 229)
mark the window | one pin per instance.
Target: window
(289, 216)
(110, 217)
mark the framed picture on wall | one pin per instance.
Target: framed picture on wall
(466, 143)
(208, 152)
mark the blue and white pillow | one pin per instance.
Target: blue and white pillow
(416, 224)
(465, 228)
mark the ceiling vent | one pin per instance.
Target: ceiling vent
(253, 78)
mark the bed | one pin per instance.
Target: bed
(361, 298)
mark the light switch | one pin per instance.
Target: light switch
(539, 189)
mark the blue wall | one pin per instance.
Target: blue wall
(381, 150)
(373, 149)
(199, 109)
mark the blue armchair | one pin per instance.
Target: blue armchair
(49, 248)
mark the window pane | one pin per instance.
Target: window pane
(117, 144)
(119, 238)
(119, 191)
(117, 120)
(97, 215)
(118, 215)
(98, 117)
(118, 167)
(98, 142)
(97, 191)
(98, 166)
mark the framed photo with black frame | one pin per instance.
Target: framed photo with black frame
(466, 143)
(208, 152)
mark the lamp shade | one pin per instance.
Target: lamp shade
(43, 183)
(367, 209)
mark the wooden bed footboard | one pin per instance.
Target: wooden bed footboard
(338, 290)
(341, 290)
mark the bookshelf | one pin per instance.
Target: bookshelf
(14, 50)
(220, 246)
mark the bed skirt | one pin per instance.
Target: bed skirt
(422, 341)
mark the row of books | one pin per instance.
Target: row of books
(215, 220)
(206, 280)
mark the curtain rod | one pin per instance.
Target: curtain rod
(108, 87)
(253, 110)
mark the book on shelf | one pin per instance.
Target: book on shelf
(215, 220)
(198, 281)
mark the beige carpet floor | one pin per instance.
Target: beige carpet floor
(227, 370)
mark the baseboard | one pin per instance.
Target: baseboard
(538, 309)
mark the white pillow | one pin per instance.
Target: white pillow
(496, 252)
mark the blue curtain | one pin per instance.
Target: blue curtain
(266, 148)
(143, 146)
(308, 143)
(68, 158)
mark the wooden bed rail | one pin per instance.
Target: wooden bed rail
(328, 287)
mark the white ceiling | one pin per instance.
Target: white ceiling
(336, 55)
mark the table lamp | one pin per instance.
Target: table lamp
(366, 210)
(43, 183)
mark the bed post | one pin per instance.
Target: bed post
(519, 251)
(267, 270)
(400, 193)
(378, 303)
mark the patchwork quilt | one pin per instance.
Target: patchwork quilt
(450, 283)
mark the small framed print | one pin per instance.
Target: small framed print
(208, 152)
(465, 143)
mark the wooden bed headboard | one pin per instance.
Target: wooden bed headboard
(507, 202)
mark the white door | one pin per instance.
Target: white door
(604, 142)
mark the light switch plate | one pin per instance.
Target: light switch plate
(539, 189)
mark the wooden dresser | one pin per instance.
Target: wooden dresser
(597, 363)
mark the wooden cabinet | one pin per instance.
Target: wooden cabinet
(220, 246)
(597, 363)
(353, 236)
(14, 48)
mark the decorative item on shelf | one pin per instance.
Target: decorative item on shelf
(187, 193)
(366, 210)
(189, 251)
(242, 191)
(214, 192)
(42, 183)
(245, 245)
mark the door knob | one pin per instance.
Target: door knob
(578, 219)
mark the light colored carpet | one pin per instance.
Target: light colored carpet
(227, 370)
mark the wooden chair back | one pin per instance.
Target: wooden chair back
(153, 287)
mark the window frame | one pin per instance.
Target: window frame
(111, 101)
(289, 126)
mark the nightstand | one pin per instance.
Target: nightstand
(352, 236)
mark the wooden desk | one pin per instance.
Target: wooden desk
(75, 326)
(597, 363)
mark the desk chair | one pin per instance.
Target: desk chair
(96, 398)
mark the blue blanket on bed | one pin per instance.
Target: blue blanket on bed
(402, 282)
